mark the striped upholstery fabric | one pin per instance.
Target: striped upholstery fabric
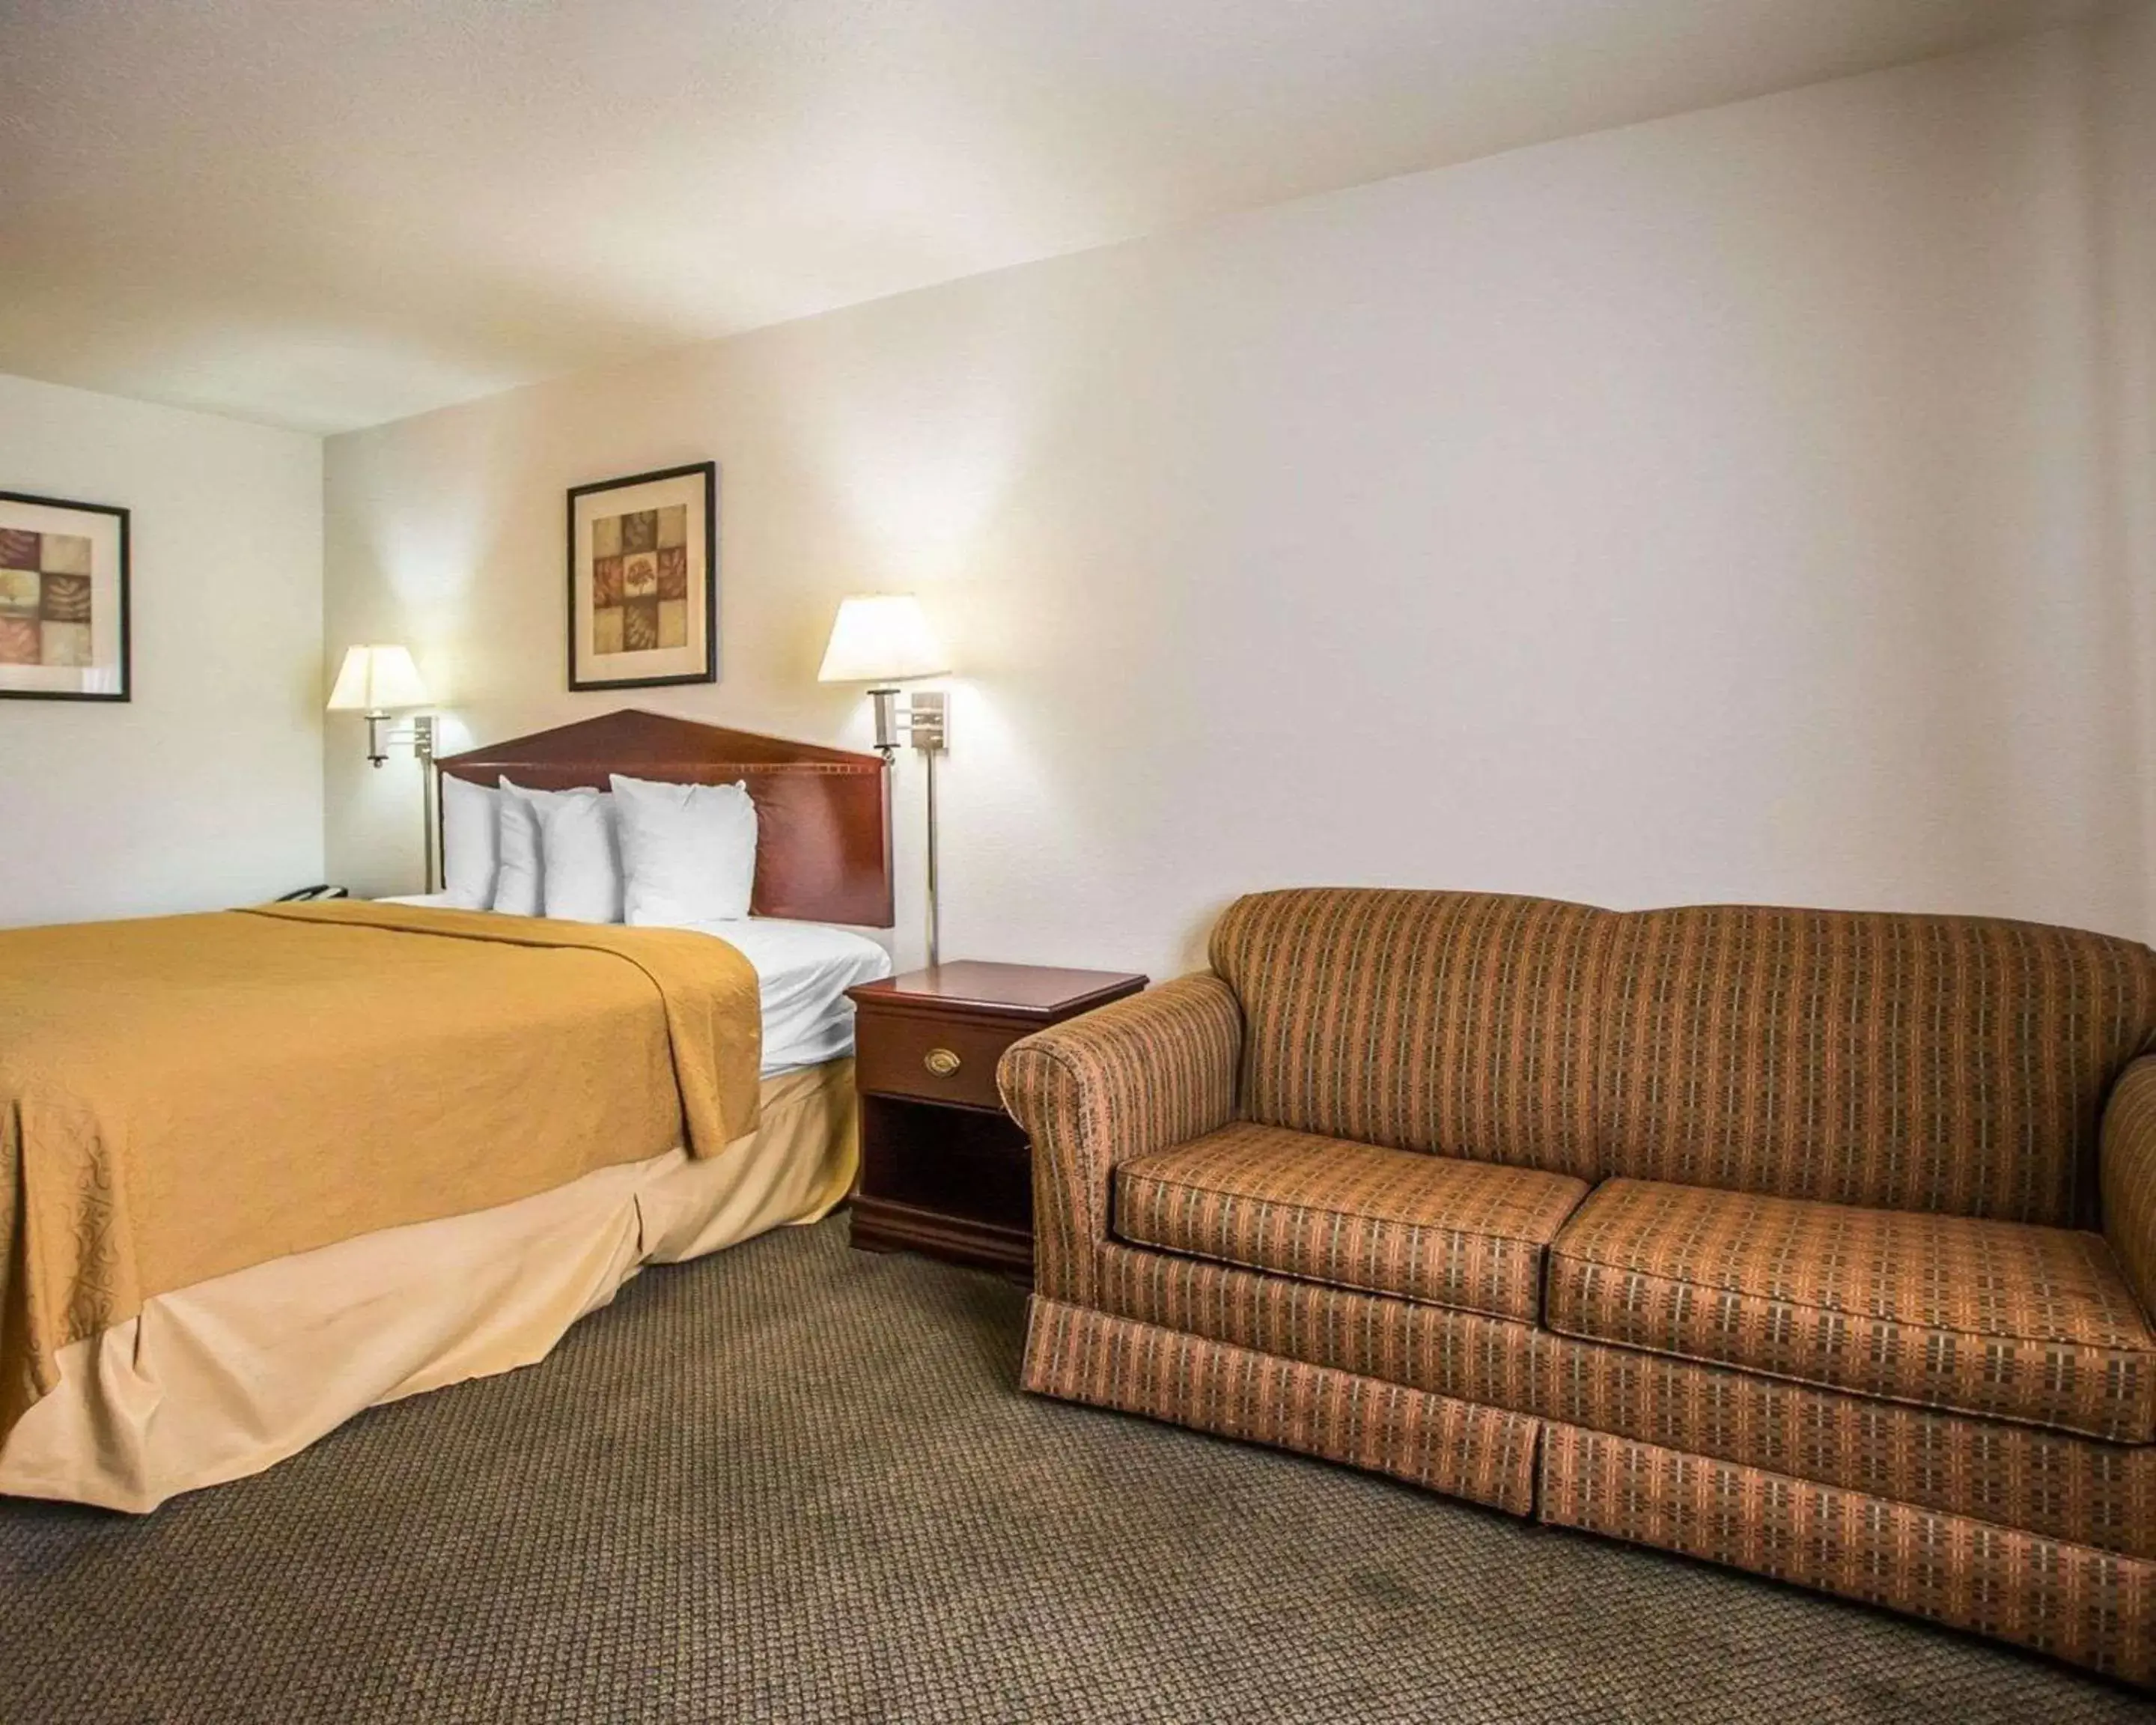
(1457, 1023)
(1145, 1072)
(1986, 1317)
(2069, 1488)
(1483, 1454)
(1465, 1234)
(2064, 1488)
(2129, 1179)
(2095, 1608)
(1460, 1354)
(1920, 1063)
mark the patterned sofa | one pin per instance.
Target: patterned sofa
(1820, 1244)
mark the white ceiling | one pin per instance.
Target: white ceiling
(326, 213)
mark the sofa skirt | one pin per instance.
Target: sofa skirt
(2089, 1606)
(2077, 1490)
(1484, 1454)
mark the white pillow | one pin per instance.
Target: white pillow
(578, 856)
(471, 845)
(517, 881)
(688, 851)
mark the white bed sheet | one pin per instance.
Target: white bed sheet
(802, 970)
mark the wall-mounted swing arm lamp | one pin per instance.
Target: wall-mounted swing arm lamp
(380, 682)
(883, 640)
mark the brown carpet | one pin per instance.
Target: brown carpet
(793, 1482)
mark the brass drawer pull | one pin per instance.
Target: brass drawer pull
(941, 1061)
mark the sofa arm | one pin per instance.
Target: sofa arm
(1144, 1073)
(2127, 1177)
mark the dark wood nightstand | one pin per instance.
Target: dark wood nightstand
(944, 1170)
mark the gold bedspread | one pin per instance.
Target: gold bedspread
(185, 1097)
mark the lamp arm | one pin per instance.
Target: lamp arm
(418, 736)
(423, 749)
(935, 918)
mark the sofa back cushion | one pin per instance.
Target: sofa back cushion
(1948, 1064)
(1450, 1022)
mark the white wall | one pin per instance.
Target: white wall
(2122, 53)
(1714, 509)
(206, 788)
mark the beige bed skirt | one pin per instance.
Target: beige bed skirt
(226, 1378)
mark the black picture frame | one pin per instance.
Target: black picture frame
(706, 509)
(127, 689)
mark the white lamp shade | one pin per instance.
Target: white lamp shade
(881, 638)
(375, 679)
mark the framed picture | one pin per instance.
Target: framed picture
(62, 599)
(643, 587)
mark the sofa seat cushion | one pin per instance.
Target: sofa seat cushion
(1996, 1318)
(1466, 1234)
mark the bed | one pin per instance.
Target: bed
(262, 1169)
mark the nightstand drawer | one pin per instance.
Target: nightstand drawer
(935, 1061)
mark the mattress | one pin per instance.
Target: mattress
(803, 972)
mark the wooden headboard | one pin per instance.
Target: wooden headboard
(822, 844)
